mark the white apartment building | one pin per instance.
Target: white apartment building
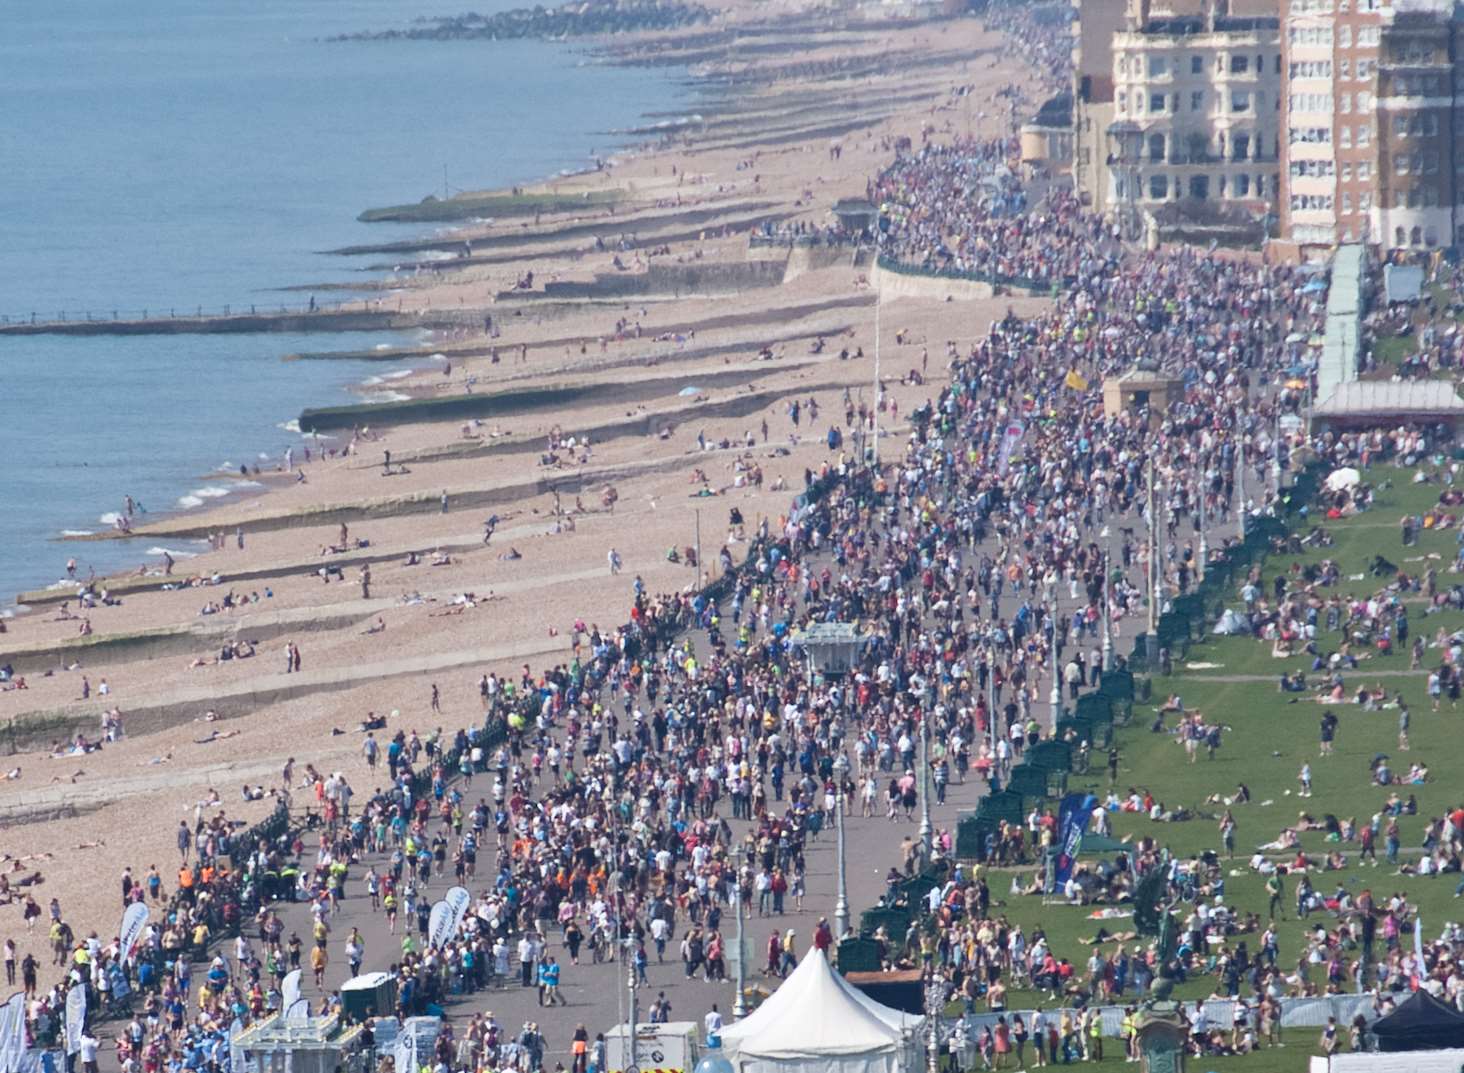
(1196, 113)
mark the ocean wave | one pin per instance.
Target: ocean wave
(382, 346)
(212, 491)
(293, 425)
(399, 374)
(371, 381)
(248, 484)
(110, 518)
(189, 501)
(388, 396)
(77, 532)
(175, 553)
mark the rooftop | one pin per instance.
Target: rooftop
(1362, 398)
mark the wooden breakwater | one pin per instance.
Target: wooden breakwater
(354, 319)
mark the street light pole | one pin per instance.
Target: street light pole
(1204, 540)
(926, 845)
(1276, 456)
(934, 996)
(1240, 484)
(874, 434)
(1151, 642)
(1107, 615)
(739, 1004)
(841, 901)
(991, 694)
(1056, 696)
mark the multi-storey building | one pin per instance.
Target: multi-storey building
(1093, 28)
(1417, 178)
(1371, 131)
(1195, 113)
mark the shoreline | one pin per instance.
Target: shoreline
(678, 466)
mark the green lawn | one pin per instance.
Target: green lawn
(1268, 736)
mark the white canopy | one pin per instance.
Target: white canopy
(817, 1022)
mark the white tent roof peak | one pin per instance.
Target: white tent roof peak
(815, 1013)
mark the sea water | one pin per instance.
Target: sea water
(171, 155)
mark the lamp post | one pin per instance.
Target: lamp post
(1276, 457)
(1240, 485)
(841, 900)
(1107, 614)
(1152, 573)
(874, 420)
(1055, 698)
(1204, 540)
(739, 1004)
(934, 998)
(926, 845)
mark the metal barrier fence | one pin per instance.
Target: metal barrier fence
(1295, 1013)
(903, 268)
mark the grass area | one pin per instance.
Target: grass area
(1393, 349)
(1269, 734)
(432, 209)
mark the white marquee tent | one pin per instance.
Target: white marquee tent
(818, 1022)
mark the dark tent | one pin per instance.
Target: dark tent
(1420, 1023)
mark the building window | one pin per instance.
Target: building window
(1344, 69)
(1239, 146)
(1400, 164)
(1364, 134)
(1197, 100)
(1430, 237)
(1415, 236)
(1400, 237)
(1364, 202)
(1122, 102)
(1347, 234)
(1158, 187)
(1364, 102)
(1400, 126)
(1156, 102)
(1346, 141)
(1344, 102)
(1239, 100)
(1346, 173)
(1346, 202)
(1157, 67)
(1430, 124)
(1156, 148)
(1242, 185)
(1199, 187)
(1239, 65)
(1197, 65)
(1430, 161)
(1344, 37)
(1364, 170)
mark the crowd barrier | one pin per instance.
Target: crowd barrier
(1295, 1013)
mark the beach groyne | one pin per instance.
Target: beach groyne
(302, 321)
(567, 20)
(563, 397)
(670, 280)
